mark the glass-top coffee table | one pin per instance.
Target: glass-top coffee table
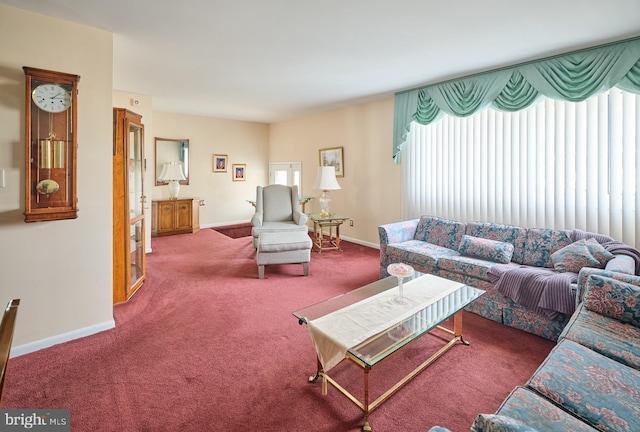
(365, 326)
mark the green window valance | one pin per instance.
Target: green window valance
(571, 77)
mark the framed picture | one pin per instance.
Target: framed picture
(333, 157)
(239, 172)
(220, 163)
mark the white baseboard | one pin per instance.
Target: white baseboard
(360, 242)
(65, 337)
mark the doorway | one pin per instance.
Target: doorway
(287, 174)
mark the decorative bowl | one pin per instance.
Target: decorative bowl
(400, 270)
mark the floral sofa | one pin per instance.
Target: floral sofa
(591, 379)
(530, 275)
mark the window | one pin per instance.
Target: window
(557, 164)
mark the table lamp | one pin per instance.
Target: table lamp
(172, 173)
(326, 181)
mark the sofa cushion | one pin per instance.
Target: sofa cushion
(499, 423)
(506, 233)
(483, 248)
(284, 241)
(573, 257)
(599, 252)
(468, 266)
(438, 231)
(420, 255)
(541, 243)
(611, 297)
(595, 388)
(277, 227)
(606, 335)
(588, 271)
(534, 410)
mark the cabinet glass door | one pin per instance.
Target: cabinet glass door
(135, 170)
(136, 250)
(136, 202)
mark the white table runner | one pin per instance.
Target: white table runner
(335, 333)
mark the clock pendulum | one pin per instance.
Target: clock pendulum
(51, 149)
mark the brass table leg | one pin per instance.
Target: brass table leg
(366, 427)
(457, 327)
(368, 406)
(319, 371)
(317, 236)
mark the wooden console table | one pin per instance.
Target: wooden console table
(178, 216)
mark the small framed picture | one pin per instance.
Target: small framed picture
(220, 163)
(333, 157)
(239, 172)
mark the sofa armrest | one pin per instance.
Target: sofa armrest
(257, 218)
(300, 218)
(585, 272)
(397, 232)
(622, 264)
(614, 298)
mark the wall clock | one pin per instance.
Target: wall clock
(50, 145)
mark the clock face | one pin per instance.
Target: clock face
(51, 98)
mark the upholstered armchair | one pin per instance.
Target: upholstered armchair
(277, 210)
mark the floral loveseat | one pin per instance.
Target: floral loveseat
(530, 275)
(591, 379)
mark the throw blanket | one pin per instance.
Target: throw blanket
(545, 291)
(539, 289)
(578, 234)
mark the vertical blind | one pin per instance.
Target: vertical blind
(557, 164)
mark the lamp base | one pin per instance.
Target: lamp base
(325, 203)
(174, 189)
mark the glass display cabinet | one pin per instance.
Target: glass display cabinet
(128, 204)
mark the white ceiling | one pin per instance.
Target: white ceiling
(271, 60)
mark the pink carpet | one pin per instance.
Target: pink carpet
(235, 231)
(206, 346)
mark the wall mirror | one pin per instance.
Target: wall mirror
(169, 151)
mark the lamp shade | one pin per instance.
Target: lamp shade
(172, 171)
(326, 179)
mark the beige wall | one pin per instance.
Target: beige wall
(370, 193)
(60, 270)
(243, 142)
